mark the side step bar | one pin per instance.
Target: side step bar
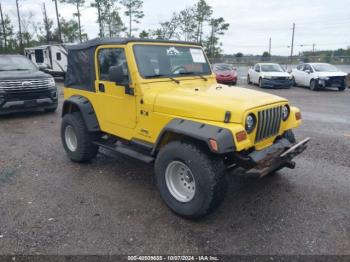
(125, 150)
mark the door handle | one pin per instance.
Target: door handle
(101, 88)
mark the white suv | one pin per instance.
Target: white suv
(319, 76)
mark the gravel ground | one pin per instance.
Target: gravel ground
(49, 205)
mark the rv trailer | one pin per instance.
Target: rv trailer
(51, 59)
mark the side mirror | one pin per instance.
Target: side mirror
(116, 74)
(307, 71)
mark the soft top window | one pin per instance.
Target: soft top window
(80, 71)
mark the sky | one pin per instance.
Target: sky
(324, 23)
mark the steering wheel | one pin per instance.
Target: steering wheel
(178, 70)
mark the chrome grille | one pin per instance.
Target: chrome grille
(24, 84)
(269, 122)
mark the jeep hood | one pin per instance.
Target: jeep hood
(211, 102)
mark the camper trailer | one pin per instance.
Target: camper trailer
(51, 59)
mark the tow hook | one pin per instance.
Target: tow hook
(290, 164)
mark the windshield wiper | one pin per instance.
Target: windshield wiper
(157, 76)
(194, 74)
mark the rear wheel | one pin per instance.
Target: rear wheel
(191, 181)
(77, 141)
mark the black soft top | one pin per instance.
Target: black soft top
(121, 41)
(81, 68)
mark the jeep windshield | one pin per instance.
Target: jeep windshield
(16, 63)
(156, 61)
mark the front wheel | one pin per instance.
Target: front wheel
(343, 86)
(313, 85)
(77, 141)
(260, 83)
(191, 181)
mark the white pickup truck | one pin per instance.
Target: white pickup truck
(319, 76)
(269, 75)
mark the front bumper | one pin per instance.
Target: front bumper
(225, 80)
(13, 102)
(275, 157)
(277, 83)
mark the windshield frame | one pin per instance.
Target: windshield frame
(24, 58)
(170, 44)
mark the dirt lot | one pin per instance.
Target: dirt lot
(49, 205)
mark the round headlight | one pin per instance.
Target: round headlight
(250, 123)
(285, 112)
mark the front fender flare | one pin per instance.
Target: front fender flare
(199, 131)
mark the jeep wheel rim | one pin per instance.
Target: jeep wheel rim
(180, 181)
(71, 138)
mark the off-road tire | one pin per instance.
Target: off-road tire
(313, 85)
(86, 149)
(209, 173)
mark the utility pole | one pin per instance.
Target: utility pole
(19, 26)
(292, 46)
(3, 27)
(313, 48)
(58, 22)
(270, 46)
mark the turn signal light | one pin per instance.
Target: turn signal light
(213, 145)
(241, 135)
(297, 115)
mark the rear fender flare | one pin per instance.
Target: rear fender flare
(84, 106)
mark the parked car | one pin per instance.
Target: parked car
(159, 102)
(319, 76)
(269, 75)
(225, 74)
(23, 87)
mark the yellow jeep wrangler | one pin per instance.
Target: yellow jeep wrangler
(159, 102)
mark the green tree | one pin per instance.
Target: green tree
(218, 28)
(144, 34)
(187, 24)
(79, 4)
(69, 30)
(6, 30)
(98, 5)
(265, 56)
(133, 12)
(202, 14)
(115, 24)
(46, 28)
